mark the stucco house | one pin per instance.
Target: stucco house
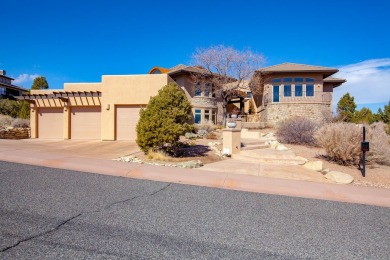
(7, 89)
(109, 110)
(291, 89)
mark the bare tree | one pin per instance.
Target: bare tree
(229, 70)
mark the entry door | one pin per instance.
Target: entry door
(276, 94)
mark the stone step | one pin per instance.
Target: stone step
(269, 153)
(278, 161)
(272, 156)
(246, 147)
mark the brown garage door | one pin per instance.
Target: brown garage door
(85, 123)
(50, 123)
(126, 121)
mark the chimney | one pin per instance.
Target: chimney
(2, 72)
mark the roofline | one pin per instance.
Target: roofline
(7, 77)
(14, 87)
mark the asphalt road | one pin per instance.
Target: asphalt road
(58, 214)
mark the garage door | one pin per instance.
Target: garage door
(126, 122)
(50, 123)
(85, 123)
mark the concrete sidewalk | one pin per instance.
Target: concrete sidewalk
(58, 156)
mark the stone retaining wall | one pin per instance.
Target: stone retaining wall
(276, 112)
(15, 133)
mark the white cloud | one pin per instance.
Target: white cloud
(23, 78)
(368, 81)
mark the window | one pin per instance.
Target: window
(287, 79)
(207, 89)
(276, 80)
(287, 90)
(212, 90)
(2, 91)
(206, 115)
(198, 90)
(298, 79)
(309, 90)
(309, 80)
(249, 94)
(198, 116)
(298, 90)
(156, 71)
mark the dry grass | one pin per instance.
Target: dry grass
(158, 156)
(341, 142)
(297, 130)
(376, 175)
(379, 144)
(5, 121)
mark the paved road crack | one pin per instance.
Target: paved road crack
(41, 234)
(80, 214)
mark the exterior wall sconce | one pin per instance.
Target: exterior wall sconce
(108, 107)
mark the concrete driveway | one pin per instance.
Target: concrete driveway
(81, 148)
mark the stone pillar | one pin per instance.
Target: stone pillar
(232, 138)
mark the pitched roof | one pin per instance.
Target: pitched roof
(178, 69)
(331, 79)
(295, 67)
(336, 81)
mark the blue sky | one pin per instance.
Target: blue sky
(78, 41)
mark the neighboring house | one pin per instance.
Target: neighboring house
(291, 89)
(7, 90)
(109, 110)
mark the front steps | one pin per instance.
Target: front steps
(270, 156)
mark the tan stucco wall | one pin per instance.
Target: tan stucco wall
(127, 90)
(115, 90)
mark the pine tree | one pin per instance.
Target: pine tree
(24, 111)
(164, 120)
(364, 115)
(346, 108)
(40, 83)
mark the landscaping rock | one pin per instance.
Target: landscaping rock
(339, 177)
(190, 164)
(14, 133)
(281, 147)
(273, 144)
(313, 165)
(304, 160)
(325, 171)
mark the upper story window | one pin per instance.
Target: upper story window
(287, 80)
(298, 90)
(207, 89)
(156, 71)
(287, 90)
(276, 80)
(198, 90)
(2, 91)
(309, 90)
(249, 94)
(309, 80)
(298, 79)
